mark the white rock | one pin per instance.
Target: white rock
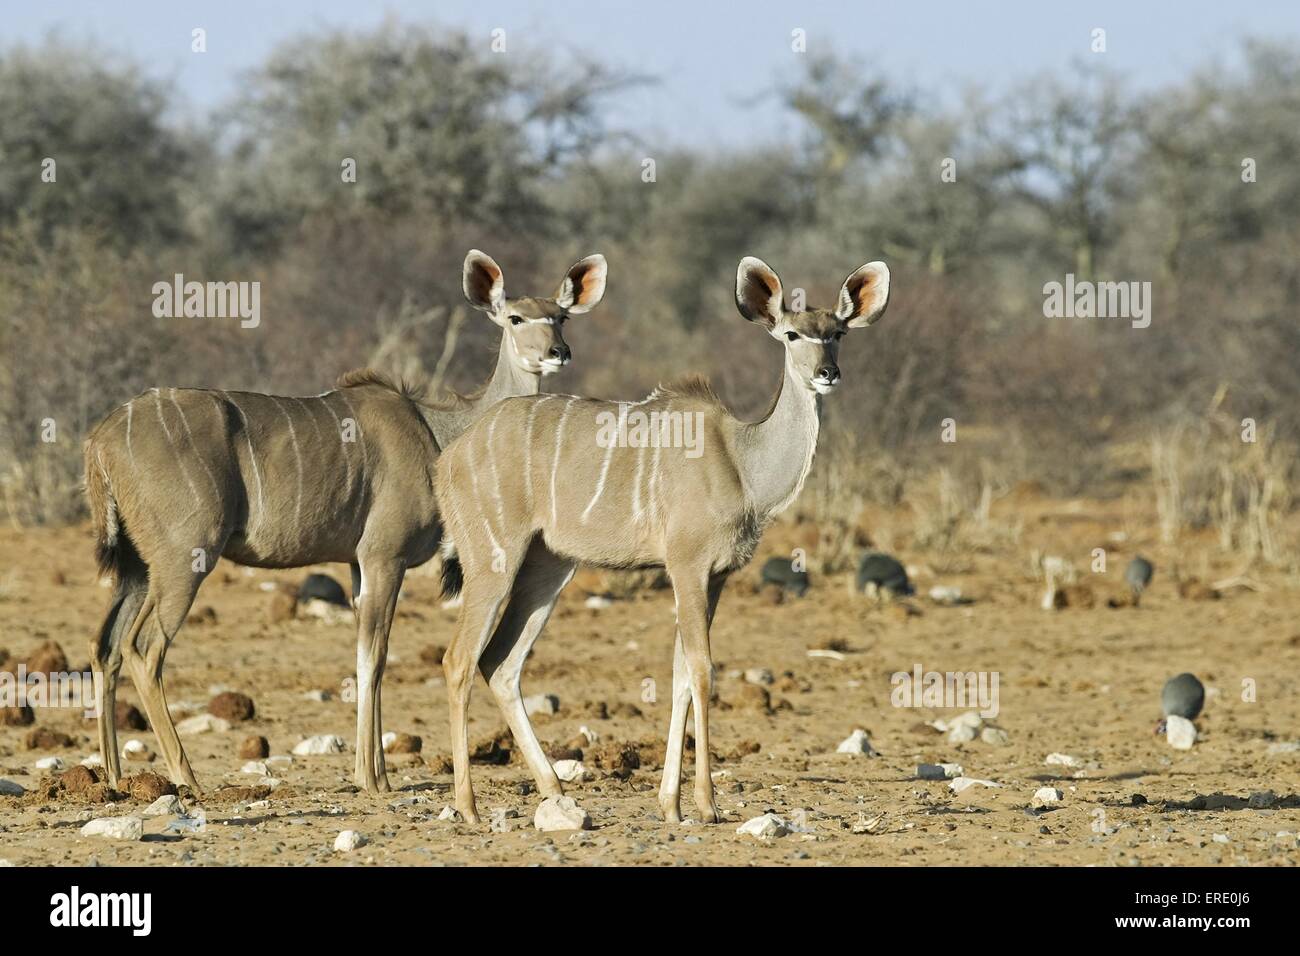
(450, 813)
(317, 696)
(766, 827)
(165, 806)
(995, 736)
(570, 771)
(388, 739)
(561, 813)
(256, 767)
(50, 763)
(115, 828)
(945, 594)
(1046, 795)
(970, 718)
(202, 724)
(856, 743)
(1180, 732)
(939, 771)
(1221, 838)
(94, 760)
(760, 675)
(591, 735)
(541, 704)
(136, 750)
(279, 762)
(320, 744)
(1062, 760)
(962, 734)
(197, 822)
(10, 789)
(959, 784)
(1284, 747)
(597, 602)
(348, 840)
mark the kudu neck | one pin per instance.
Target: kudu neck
(777, 452)
(508, 381)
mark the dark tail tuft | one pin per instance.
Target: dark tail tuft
(453, 577)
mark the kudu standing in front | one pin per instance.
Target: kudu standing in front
(178, 478)
(542, 484)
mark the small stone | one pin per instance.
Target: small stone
(165, 806)
(55, 764)
(1221, 838)
(1062, 760)
(115, 828)
(450, 813)
(202, 724)
(320, 744)
(1262, 799)
(760, 675)
(318, 696)
(1180, 732)
(1045, 796)
(962, 734)
(995, 736)
(766, 827)
(137, 750)
(10, 789)
(255, 748)
(958, 784)
(349, 840)
(232, 706)
(561, 813)
(256, 767)
(856, 743)
(541, 704)
(1284, 747)
(571, 771)
(939, 771)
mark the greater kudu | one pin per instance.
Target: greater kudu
(180, 477)
(600, 483)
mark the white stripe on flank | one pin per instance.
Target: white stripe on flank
(320, 437)
(636, 485)
(252, 458)
(347, 458)
(651, 500)
(555, 467)
(600, 483)
(297, 457)
(528, 450)
(171, 393)
(171, 441)
(492, 465)
(130, 453)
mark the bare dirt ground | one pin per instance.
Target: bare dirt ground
(1084, 682)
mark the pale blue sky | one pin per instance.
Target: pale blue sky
(711, 57)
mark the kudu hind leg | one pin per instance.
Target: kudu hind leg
(106, 664)
(376, 586)
(533, 597)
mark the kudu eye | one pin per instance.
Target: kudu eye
(792, 336)
(516, 320)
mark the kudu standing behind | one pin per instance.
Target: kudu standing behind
(178, 478)
(541, 484)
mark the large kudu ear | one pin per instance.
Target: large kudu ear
(484, 286)
(583, 286)
(864, 295)
(758, 292)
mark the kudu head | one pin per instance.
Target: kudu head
(811, 337)
(533, 326)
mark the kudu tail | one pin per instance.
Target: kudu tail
(453, 577)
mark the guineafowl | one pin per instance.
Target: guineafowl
(879, 574)
(1138, 575)
(1183, 696)
(322, 587)
(781, 572)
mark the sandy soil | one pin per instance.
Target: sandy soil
(1084, 682)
